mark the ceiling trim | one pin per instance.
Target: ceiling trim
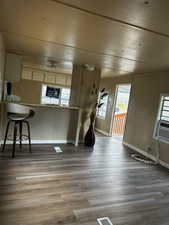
(110, 18)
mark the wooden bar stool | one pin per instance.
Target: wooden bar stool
(18, 115)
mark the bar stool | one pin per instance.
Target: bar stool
(18, 115)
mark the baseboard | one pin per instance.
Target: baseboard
(142, 152)
(42, 142)
(102, 132)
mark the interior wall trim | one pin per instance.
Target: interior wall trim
(102, 132)
(142, 152)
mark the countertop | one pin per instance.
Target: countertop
(47, 106)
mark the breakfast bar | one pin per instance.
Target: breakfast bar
(54, 124)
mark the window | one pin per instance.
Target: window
(55, 95)
(164, 108)
(65, 96)
(161, 130)
(101, 113)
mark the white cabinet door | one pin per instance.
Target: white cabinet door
(13, 67)
(50, 77)
(27, 74)
(61, 79)
(38, 76)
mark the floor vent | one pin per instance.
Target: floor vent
(104, 221)
(57, 149)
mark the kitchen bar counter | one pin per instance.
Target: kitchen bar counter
(54, 124)
(50, 106)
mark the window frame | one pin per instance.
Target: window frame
(159, 116)
(55, 86)
(60, 99)
(100, 116)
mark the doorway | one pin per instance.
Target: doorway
(120, 111)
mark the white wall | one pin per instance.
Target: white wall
(82, 94)
(142, 110)
(110, 85)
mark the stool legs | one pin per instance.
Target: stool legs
(14, 139)
(29, 135)
(20, 135)
(16, 124)
(6, 134)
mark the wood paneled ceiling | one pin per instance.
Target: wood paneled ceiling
(120, 36)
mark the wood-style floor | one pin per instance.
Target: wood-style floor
(80, 185)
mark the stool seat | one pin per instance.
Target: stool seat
(18, 114)
(17, 117)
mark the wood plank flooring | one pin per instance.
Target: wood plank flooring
(80, 185)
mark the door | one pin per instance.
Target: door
(120, 110)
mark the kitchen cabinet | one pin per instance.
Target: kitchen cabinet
(13, 67)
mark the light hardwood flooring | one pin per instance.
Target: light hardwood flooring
(79, 185)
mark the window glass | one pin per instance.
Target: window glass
(164, 108)
(62, 98)
(101, 113)
(166, 103)
(165, 113)
(166, 98)
(162, 118)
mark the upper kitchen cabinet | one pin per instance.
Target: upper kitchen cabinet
(13, 67)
